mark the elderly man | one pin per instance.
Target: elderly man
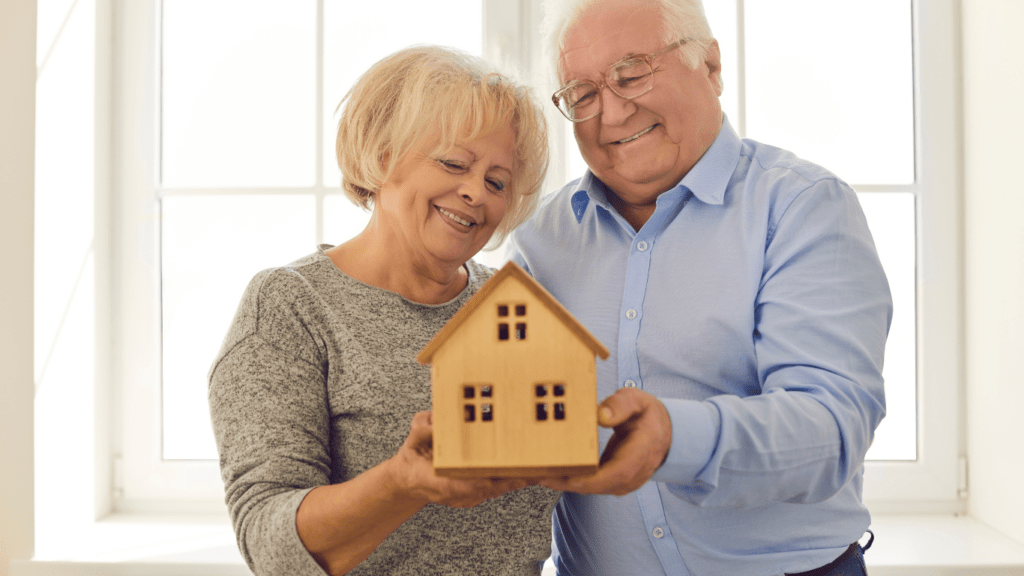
(742, 299)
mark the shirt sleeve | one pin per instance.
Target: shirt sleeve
(270, 417)
(821, 317)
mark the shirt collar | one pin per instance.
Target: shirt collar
(707, 180)
(710, 176)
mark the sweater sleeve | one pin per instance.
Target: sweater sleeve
(270, 417)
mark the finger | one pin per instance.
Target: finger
(422, 420)
(564, 484)
(420, 441)
(467, 493)
(622, 406)
(633, 453)
(616, 479)
(593, 484)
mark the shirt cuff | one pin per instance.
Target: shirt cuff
(695, 428)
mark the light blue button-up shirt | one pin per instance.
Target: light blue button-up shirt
(753, 304)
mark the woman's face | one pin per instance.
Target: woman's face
(442, 209)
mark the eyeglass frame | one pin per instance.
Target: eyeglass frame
(602, 83)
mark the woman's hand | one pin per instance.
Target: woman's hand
(342, 524)
(413, 473)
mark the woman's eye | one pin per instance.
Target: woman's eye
(452, 165)
(496, 185)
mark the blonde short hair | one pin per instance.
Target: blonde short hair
(431, 95)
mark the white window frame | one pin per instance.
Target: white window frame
(936, 481)
(143, 482)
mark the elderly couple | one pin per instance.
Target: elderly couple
(736, 285)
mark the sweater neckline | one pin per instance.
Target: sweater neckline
(472, 283)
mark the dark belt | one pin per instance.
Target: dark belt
(824, 570)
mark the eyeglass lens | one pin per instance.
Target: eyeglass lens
(629, 79)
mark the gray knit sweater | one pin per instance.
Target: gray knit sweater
(317, 382)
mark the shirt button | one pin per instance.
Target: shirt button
(630, 384)
(658, 532)
(641, 246)
(630, 313)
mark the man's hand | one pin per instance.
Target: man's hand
(643, 435)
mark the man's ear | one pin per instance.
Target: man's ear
(714, 64)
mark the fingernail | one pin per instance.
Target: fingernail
(606, 413)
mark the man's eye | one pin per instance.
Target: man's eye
(584, 99)
(631, 72)
(625, 82)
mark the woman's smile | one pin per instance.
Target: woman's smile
(455, 218)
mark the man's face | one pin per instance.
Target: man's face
(642, 147)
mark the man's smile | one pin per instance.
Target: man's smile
(637, 135)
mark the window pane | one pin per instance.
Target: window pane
(891, 219)
(833, 82)
(357, 34)
(576, 165)
(65, 173)
(342, 219)
(721, 16)
(212, 246)
(239, 93)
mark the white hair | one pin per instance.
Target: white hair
(680, 19)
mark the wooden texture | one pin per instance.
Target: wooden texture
(469, 353)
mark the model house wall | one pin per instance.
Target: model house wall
(514, 385)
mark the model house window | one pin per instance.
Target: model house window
(541, 392)
(520, 324)
(476, 399)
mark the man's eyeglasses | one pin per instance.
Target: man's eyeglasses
(630, 77)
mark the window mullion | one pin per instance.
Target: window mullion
(240, 191)
(319, 189)
(741, 71)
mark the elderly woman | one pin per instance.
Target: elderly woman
(317, 401)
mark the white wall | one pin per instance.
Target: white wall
(993, 67)
(17, 145)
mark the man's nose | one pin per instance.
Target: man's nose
(614, 108)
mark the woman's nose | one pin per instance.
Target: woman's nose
(473, 191)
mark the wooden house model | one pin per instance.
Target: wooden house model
(514, 385)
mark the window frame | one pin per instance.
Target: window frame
(143, 482)
(936, 481)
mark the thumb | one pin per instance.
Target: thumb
(623, 405)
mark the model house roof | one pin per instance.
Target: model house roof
(508, 272)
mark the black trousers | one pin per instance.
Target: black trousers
(849, 563)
